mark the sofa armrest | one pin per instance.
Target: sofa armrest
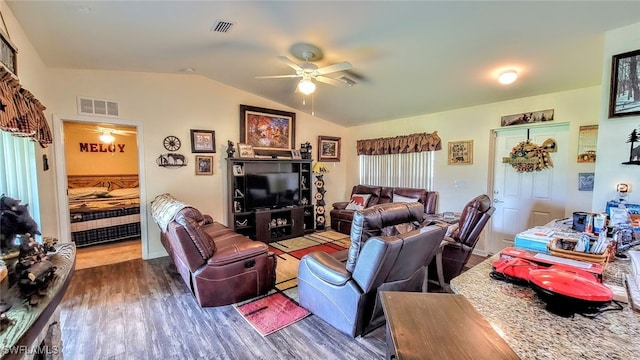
(237, 252)
(340, 205)
(207, 219)
(326, 267)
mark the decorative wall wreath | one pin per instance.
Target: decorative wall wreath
(528, 157)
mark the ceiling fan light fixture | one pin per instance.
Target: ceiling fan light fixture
(508, 77)
(106, 137)
(306, 86)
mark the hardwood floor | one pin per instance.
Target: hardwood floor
(108, 253)
(143, 310)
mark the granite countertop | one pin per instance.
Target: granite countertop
(520, 317)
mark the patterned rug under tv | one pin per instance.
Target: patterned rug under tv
(280, 308)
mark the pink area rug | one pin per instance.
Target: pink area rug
(271, 313)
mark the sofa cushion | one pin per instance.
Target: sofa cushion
(400, 198)
(358, 201)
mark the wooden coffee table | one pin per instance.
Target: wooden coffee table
(439, 326)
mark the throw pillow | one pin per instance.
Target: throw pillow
(404, 199)
(358, 201)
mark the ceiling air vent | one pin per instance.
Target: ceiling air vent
(222, 26)
(346, 80)
(88, 106)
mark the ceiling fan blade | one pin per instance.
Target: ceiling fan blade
(333, 68)
(277, 77)
(291, 64)
(330, 81)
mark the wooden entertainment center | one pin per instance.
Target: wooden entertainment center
(251, 210)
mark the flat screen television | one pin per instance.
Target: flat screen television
(272, 190)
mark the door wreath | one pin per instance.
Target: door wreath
(528, 157)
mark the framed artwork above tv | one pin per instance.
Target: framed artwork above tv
(268, 131)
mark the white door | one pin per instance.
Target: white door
(526, 199)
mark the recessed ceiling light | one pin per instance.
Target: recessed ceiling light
(508, 77)
(188, 70)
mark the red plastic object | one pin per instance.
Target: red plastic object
(515, 269)
(560, 283)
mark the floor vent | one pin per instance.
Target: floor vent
(88, 106)
(222, 26)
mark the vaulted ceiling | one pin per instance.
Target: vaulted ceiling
(408, 58)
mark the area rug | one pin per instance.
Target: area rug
(280, 308)
(272, 313)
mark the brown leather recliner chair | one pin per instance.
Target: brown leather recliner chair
(219, 266)
(458, 245)
(346, 294)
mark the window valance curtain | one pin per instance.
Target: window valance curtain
(21, 113)
(400, 144)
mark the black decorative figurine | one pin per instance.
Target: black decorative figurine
(230, 150)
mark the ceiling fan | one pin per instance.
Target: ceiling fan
(310, 72)
(107, 133)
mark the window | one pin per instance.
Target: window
(413, 170)
(18, 173)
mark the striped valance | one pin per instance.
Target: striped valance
(20, 112)
(400, 144)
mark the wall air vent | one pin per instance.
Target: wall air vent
(350, 82)
(222, 26)
(88, 106)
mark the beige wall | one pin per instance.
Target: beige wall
(85, 154)
(172, 104)
(613, 133)
(33, 77)
(457, 184)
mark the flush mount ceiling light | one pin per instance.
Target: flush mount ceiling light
(508, 77)
(306, 86)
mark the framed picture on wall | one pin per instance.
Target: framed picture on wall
(203, 141)
(329, 148)
(585, 181)
(587, 143)
(625, 70)
(460, 152)
(204, 165)
(272, 131)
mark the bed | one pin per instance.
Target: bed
(103, 208)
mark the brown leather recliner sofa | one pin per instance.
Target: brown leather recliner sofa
(218, 265)
(341, 218)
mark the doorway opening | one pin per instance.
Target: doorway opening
(101, 196)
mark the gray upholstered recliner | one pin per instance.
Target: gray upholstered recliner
(346, 294)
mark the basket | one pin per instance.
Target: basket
(575, 255)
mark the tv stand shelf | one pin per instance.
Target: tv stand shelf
(268, 224)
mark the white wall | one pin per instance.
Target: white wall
(613, 133)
